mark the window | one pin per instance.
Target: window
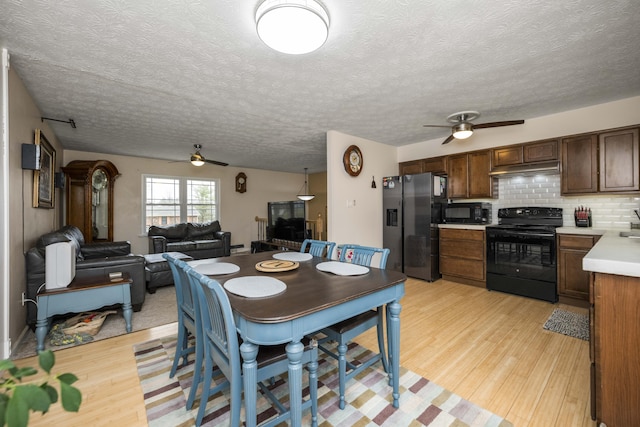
(172, 200)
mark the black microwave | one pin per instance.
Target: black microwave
(467, 213)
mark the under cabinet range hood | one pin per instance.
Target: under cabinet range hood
(529, 169)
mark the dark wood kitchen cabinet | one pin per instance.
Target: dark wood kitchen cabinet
(573, 282)
(468, 175)
(615, 359)
(531, 152)
(605, 162)
(462, 256)
(619, 161)
(580, 164)
(434, 165)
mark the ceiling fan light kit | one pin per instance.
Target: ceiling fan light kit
(198, 159)
(292, 26)
(462, 131)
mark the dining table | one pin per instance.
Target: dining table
(310, 300)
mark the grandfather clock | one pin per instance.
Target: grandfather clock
(89, 197)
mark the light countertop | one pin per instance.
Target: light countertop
(614, 254)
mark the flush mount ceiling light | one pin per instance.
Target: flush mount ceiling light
(292, 26)
(305, 196)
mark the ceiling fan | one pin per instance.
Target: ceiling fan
(463, 128)
(198, 159)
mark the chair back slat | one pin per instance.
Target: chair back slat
(363, 255)
(184, 298)
(218, 324)
(319, 248)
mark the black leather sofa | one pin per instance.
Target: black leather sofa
(91, 259)
(198, 240)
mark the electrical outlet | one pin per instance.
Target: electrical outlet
(24, 296)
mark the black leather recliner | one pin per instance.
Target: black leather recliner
(91, 259)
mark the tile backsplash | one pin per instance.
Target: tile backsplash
(608, 211)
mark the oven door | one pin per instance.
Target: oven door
(525, 254)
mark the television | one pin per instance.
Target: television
(60, 265)
(286, 221)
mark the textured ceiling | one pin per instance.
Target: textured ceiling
(153, 77)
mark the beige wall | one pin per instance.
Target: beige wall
(362, 222)
(238, 210)
(26, 222)
(597, 117)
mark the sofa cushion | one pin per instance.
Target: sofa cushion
(173, 233)
(68, 233)
(208, 244)
(202, 231)
(181, 246)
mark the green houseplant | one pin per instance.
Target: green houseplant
(17, 399)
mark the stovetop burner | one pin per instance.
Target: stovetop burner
(529, 218)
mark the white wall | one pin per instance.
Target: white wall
(361, 223)
(238, 210)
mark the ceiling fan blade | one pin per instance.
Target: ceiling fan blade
(448, 140)
(436, 126)
(498, 124)
(214, 162)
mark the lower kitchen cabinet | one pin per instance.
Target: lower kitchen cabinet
(615, 359)
(573, 282)
(462, 256)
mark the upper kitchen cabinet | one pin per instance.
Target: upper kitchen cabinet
(619, 161)
(531, 152)
(606, 162)
(469, 175)
(540, 151)
(580, 164)
(434, 165)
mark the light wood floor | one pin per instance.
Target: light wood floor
(488, 347)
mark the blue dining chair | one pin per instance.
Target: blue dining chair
(222, 348)
(343, 332)
(187, 325)
(318, 247)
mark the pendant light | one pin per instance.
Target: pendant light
(305, 196)
(292, 26)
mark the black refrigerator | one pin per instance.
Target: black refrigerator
(412, 208)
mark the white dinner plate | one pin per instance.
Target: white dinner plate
(292, 256)
(255, 286)
(342, 268)
(212, 268)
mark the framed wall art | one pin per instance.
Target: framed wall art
(43, 192)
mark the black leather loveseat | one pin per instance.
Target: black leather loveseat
(91, 259)
(198, 240)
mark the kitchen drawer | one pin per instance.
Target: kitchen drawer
(467, 268)
(461, 234)
(462, 249)
(566, 241)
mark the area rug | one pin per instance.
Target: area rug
(568, 323)
(158, 309)
(368, 396)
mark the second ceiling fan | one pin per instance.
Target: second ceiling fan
(462, 128)
(198, 159)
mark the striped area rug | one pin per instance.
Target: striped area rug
(422, 402)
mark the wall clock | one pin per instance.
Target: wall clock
(352, 160)
(241, 182)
